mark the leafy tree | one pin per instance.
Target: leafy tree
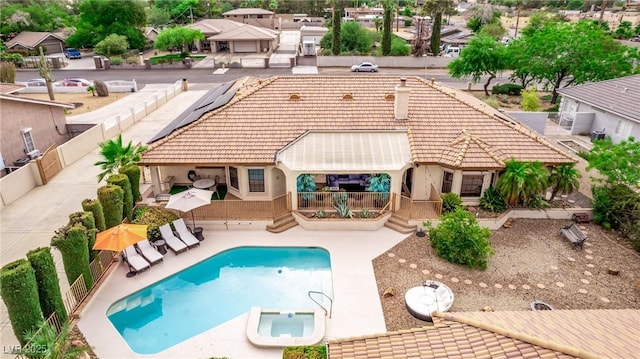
(273, 5)
(436, 8)
(494, 30)
(540, 20)
(386, 28)
(177, 38)
(49, 344)
(624, 30)
(112, 45)
(521, 180)
(399, 47)
(157, 17)
(183, 11)
(355, 38)
(518, 62)
(117, 156)
(483, 56)
(564, 179)
(34, 15)
(336, 41)
(617, 163)
(482, 15)
(530, 101)
(460, 239)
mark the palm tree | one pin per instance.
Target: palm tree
(564, 179)
(521, 180)
(116, 155)
(45, 343)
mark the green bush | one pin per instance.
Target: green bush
(122, 181)
(530, 100)
(618, 207)
(116, 60)
(536, 201)
(491, 101)
(451, 202)
(19, 291)
(553, 108)
(492, 201)
(460, 239)
(94, 206)
(72, 242)
(7, 72)
(48, 283)
(15, 58)
(111, 198)
(507, 89)
(153, 217)
(305, 352)
(133, 172)
(86, 220)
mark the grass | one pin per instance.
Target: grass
(222, 190)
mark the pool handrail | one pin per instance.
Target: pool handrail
(322, 306)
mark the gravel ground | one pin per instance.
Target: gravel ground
(532, 261)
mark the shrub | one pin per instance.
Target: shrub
(153, 217)
(536, 201)
(94, 206)
(451, 202)
(344, 211)
(530, 100)
(132, 60)
(320, 213)
(48, 283)
(460, 239)
(116, 60)
(72, 243)
(364, 213)
(492, 201)
(618, 207)
(7, 72)
(133, 172)
(19, 291)
(305, 352)
(553, 108)
(507, 89)
(122, 181)
(86, 220)
(111, 198)
(15, 58)
(491, 101)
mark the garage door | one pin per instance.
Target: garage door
(244, 46)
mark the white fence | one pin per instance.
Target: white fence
(113, 86)
(385, 61)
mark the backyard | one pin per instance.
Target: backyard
(532, 261)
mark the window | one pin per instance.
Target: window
(471, 185)
(256, 180)
(623, 129)
(28, 140)
(233, 177)
(447, 180)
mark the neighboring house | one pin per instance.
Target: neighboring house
(260, 136)
(234, 37)
(29, 126)
(310, 37)
(254, 16)
(509, 334)
(31, 41)
(151, 33)
(455, 36)
(605, 108)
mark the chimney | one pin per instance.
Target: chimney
(401, 104)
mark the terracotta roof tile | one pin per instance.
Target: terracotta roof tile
(450, 130)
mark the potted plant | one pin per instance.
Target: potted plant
(380, 183)
(305, 184)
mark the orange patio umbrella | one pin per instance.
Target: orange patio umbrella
(120, 237)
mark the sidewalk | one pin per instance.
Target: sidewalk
(31, 221)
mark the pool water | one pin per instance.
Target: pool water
(218, 289)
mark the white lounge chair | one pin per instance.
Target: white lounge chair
(176, 245)
(135, 261)
(149, 252)
(189, 239)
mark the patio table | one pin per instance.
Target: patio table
(204, 183)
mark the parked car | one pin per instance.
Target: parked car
(75, 82)
(365, 66)
(36, 83)
(72, 53)
(635, 39)
(452, 51)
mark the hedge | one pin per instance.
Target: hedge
(94, 206)
(153, 217)
(19, 292)
(133, 172)
(72, 242)
(87, 221)
(48, 283)
(111, 197)
(123, 181)
(507, 89)
(305, 352)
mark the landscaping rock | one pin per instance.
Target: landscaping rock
(389, 292)
(613, 271)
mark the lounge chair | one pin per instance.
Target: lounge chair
(176, 245)
(135, 261)
(149, 252)
(189, 239)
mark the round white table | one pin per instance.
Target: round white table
(204, 183)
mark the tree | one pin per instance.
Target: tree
(177, 38)
(34, 15)
(355, 38)
(386, 28)
(521, 180)
(564, 179)
(112, 45)
(436, 8)
(494, 30)
(419, 42)
(336, 41)
(117, 155)
(482, 15)
(183, 11)
(399, 47)
(530, 101)
(157, 17)
(617, 163)
(483, 56)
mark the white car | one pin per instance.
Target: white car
(75, 82)
(36, 83)
(365, 67)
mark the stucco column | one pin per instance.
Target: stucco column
(456, 184)
(155, 179)
(396, 186)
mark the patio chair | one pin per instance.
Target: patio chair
(149, 252)
(185, 235)
(176, 245)
(214, 188)
(135, 261)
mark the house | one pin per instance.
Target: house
(226, 35)
(29, 126)
(255, 17)
(151, 33)
(310, 37)
(605, 108)
(508, 334)
(31, 41)
(260, 135)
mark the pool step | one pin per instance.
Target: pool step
(400, 224)
(282, 223)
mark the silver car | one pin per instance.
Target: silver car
(365, 67)
(36, 83)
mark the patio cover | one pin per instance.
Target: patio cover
(352, 151)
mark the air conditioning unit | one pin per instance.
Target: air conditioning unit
(34, 154)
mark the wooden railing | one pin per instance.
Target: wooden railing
(421, 209)
(355, 200)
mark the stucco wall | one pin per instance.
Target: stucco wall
(386, 61)
(42, 119)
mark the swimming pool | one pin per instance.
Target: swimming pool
(218, 289)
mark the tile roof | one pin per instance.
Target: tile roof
(444, 126)
(215, 26)
(245, 32)
(620, 96)
(7, 88)
(248, 11)
(30, 39)
(555, 334)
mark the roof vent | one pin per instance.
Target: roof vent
(347, 96)
(294, 97)
(389, 97)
